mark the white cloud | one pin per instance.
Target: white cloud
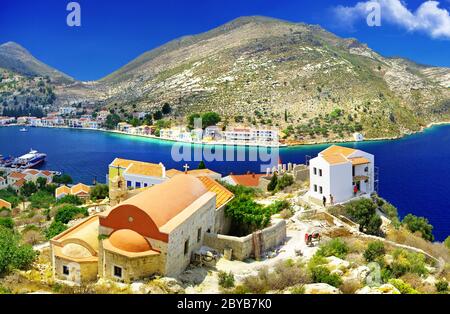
(428, 17)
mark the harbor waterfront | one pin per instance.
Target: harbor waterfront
(413, 170)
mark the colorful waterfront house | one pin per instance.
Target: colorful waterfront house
(154, 232)
(81, 190)
(62, 191)
(341, 173)
(212, 132)
(15, 176)
(33, 175)
(137, 174)
(5, 204)
(124, 127)
(18, 184)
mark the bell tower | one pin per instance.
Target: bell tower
(117, 190)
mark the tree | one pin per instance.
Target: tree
(54, 229)
(13, 254)
(41, 199)
(447, 242)
(273, 183)
(7, 222)
(157, 115)
(285, 181)
(41, 182)
(166, 109)
(63, 179)
(67, 213)
(364, 213)
(210, 118)
(28, 189)
(99, 192)
(419, 224)
(201, 165)
(191, 119)
(112, 120)
(374, 251)
(70, 199)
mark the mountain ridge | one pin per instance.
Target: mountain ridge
(268, 71)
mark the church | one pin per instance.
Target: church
(153, 232)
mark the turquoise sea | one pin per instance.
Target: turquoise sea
(414, 171)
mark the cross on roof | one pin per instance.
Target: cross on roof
(186, 167)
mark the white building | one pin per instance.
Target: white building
(246, 135)
(337, 171)
(67, 110)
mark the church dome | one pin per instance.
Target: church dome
(130, 241)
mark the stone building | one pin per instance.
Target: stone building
(153, 232)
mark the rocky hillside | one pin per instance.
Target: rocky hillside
(260, 70)
(17, 59)
(301, 78)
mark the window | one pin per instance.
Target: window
(66, 270)
(315, 171)
(117, 271)
(129, 184)
(186, 246)
(320, 172)
(145, 185)
(138, 185)
(320, 190)
(199, 234)
(315, 187)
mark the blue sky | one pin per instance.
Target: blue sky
(115, 32)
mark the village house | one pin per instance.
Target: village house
(341, 173)
(33, 175)
(251, 180)
(62, 191)
(137, 174)
(15, 176)
(3, 183)
(124, 127)
(5, 204)
(67, 110)
(152, 233)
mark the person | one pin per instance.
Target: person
(331, 199)
(355, 190)
(324, 200)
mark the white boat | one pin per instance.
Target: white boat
(30, 160)
(23, 130)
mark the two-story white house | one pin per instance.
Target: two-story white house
(341, 173)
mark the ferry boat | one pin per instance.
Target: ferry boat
(30, 160)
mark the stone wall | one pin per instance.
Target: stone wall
(202, 219)
(132, 268)
(242, 247)
(78, 272)
(222, 223)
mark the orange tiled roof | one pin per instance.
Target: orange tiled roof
(17, 175)
(138, 167)
(223, 195)
(32, 171)
(341, 150)
(201, 172)
(249, 180)
(80, 188)
(5, 204)
(359, 161)
(62, 190)
(173, 172)
(19, 183)
(335, 159)
(46, 173)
